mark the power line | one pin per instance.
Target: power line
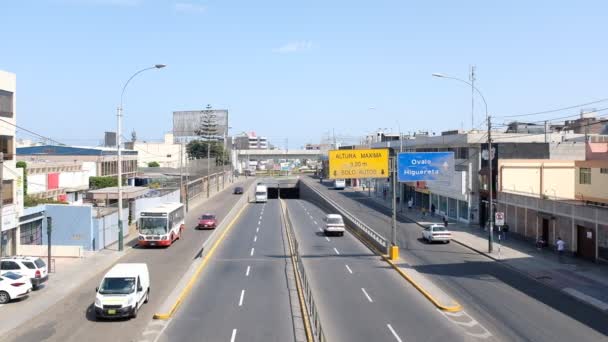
(31, 132)
(553, 110)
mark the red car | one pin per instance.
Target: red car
(207, 221)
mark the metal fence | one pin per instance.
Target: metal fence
(313, 312)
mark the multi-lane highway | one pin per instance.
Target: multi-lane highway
(73, 318)
(508, 304)
(358, 296)
(242, 295)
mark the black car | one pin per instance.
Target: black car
(238, 190)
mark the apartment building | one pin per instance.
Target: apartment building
(12, 177)
(249, 141)
(166, 153)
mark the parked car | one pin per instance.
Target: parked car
(32, 268)
(207, 221)
(238, 190)
(334, 224)
(122, 291)
(13, 286)
(437, 232)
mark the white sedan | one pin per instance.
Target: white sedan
(12, 286)
(436, 232)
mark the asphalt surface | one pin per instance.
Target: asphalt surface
(508, 304)
(242, 294)
(360, 298)
(73, 318)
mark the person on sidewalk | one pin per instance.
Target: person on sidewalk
(432, 210)
(410, 204)
(560, 244)
(423, 211)
(445, 221)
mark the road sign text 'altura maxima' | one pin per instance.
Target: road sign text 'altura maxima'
(358, 163)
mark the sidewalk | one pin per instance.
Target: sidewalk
(579, 278)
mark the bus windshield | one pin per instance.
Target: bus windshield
(153, 225)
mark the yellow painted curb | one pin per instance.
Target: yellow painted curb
(428, 296)
(303, 308)
(194, 278)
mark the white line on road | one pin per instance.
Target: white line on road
(255, 238)
(326, 238)
(336, 251)
(366, 295)
(259, 222)
(257, 229)
(252, 249)
(394, 333)
(349, 270)
(247, 273)
(241, 300)
(233, 335)
(315, 222)
(320, 229)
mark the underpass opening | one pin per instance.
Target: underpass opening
(286, 193)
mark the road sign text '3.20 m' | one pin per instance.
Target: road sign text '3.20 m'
(358, 163)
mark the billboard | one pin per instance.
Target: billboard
(186, 123)
(436, 167)
(358, 163)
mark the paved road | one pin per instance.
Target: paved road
(359, 297)
(73, 319)
(243, 291)
(510, 305)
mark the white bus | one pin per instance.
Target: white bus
(161, 225)
(261, 194)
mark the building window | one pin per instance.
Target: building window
(6, 146)
(6, 104)
(604, 170)
(31, 233)
(584, 175)
(7, 191)
(463, 210)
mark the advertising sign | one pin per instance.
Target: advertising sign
(436, 167)
(344, 164)
(500, 218)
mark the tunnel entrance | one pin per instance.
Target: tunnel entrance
(285, 193)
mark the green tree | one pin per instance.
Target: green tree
(23, 165)
(153, 164)
(104, 182)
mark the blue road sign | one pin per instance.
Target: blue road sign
(426, 166)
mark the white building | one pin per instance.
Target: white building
(250, 141)
(12, 177)
(166, 153)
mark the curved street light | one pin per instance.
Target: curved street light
(118, 151)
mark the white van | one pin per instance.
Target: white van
(261, 194)
(334, 224)
(122, 291)
(339, 184)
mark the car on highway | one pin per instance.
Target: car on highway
(339, 184)
(238, 190)
(122, 291)
(334, 225)
(13, 286)
(33, 268)
(207, 221)
(436, 232)
(261, 193)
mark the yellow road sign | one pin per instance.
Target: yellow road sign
(358, 163)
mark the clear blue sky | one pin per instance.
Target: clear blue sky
(297, 68)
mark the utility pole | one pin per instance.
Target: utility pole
(545, 131)
(394, 252)
(187, 176)
(49, 231)
(1, 202)
(490, 161)
(472, 79)
(181, 172)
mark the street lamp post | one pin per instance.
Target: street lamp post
(490, 156)
(118, 150)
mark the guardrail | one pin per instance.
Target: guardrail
(313, 313)
(353, 221)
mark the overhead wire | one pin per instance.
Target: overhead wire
(553, 110)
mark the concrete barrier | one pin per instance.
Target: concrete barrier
(58, 251)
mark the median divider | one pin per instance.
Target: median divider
(380, 245)
(186, 283)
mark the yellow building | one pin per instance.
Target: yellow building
(551, 198)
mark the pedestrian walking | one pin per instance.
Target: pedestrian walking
(384, 193)
(445, 221)
(423, 212)
(410, 203)
(560, 244)
(433, 210)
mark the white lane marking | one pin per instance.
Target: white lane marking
(252, 249)
(326, 238)
(349, 270)
(471, 323)
(233, 335)
(587, 299)
(320, 229)
(257, 229)
(255, 238)
(315, 222)
(259, 222)
(394, 333)
(366, 295)
(247, 273)
(335, 250)
(241, 300)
